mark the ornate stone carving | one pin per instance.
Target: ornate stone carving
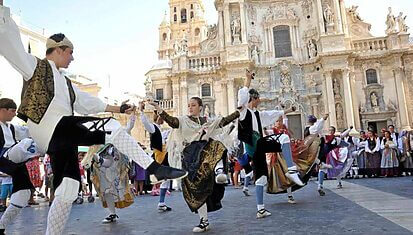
(336, 89)
(236, 29)
(312, 49)
(212, 31)
(255, 54)
(390, 22)
(401, 21)
(307, 6)
(285, 76)
(328, 15)
(374, 100)
(340, 115)
(279, 12)
(354, 15)
(207, 111)
(252, 13)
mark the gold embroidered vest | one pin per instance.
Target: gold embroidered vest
(38, 93)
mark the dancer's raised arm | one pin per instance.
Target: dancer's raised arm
(11, 46)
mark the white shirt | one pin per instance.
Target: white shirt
(394, 138)
(317, 127)
(267, 117)
(12, 49)
(149, 127)
(20, 131)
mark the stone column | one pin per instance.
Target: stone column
(176, 96)
(184, 96)
(227, 22)
(344, 17)
(231, 95)
(356, 102)
(320, 17)
(330, 98)
(338, 14)
(243, 23)
(401, 97)
(221, 30)
(224, 94)
(348, 98)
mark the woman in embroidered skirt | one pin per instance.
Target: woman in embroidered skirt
(373, 156)
(389, 162)
(198, 143)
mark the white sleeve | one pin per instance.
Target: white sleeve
(148, 125)
(21, 132)
(11, 46)
(317, 127)
(243, 97)
(344, 134)
(269, 117)
(382, 144)
(130, 124)
(377, 148)
(86, 103)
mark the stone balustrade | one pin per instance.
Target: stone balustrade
(370, 45)
(203, 63)
(166, 104)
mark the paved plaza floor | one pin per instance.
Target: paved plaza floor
(363, 206)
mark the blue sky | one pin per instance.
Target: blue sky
(120, 38)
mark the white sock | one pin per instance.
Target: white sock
(58, 216)
(18, 201)
(203, 212)
(127, 145)
(260, 207)
(289, 192)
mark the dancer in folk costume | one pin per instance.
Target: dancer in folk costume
(109, 169)
(304, 153)
(389, 162)
(13, 156)
(194, 144)
(406, 141)
(158, 145)
(49, 101)
(340, 157)
(250, 131)
(373, 156)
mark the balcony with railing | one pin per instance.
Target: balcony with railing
(204, 63)
(370, 45)
(166, 104)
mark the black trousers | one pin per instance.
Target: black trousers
(268, 144)
(63, 147)
(18, 172)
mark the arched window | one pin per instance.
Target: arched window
(192, 14)
(371, 76)
(282, 41)
(175, 18)
(164, 36)
(205, 90)
(197, 32)
(183, 16)
(174, 9)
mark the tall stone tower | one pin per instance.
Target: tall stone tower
(184, 30)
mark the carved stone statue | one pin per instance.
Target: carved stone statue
(336, 89)
(207, 111)
(401, 21)
(390, 22)
(236, 28)
(312, 49)
(291, 14)
(374, 100)
(254, 55)
(184, 46)
(307, 6)
(328, 15)
(354, 14)
(339, 115)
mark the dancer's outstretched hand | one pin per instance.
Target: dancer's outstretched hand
(326, 116)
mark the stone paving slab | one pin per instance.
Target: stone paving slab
(331, 214)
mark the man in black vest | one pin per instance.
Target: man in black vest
(250, 131)
(158, 145)
(12, 162)
(49, 101)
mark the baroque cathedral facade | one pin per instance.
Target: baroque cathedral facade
(317, 55)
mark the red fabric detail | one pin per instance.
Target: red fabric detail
(33, 167)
